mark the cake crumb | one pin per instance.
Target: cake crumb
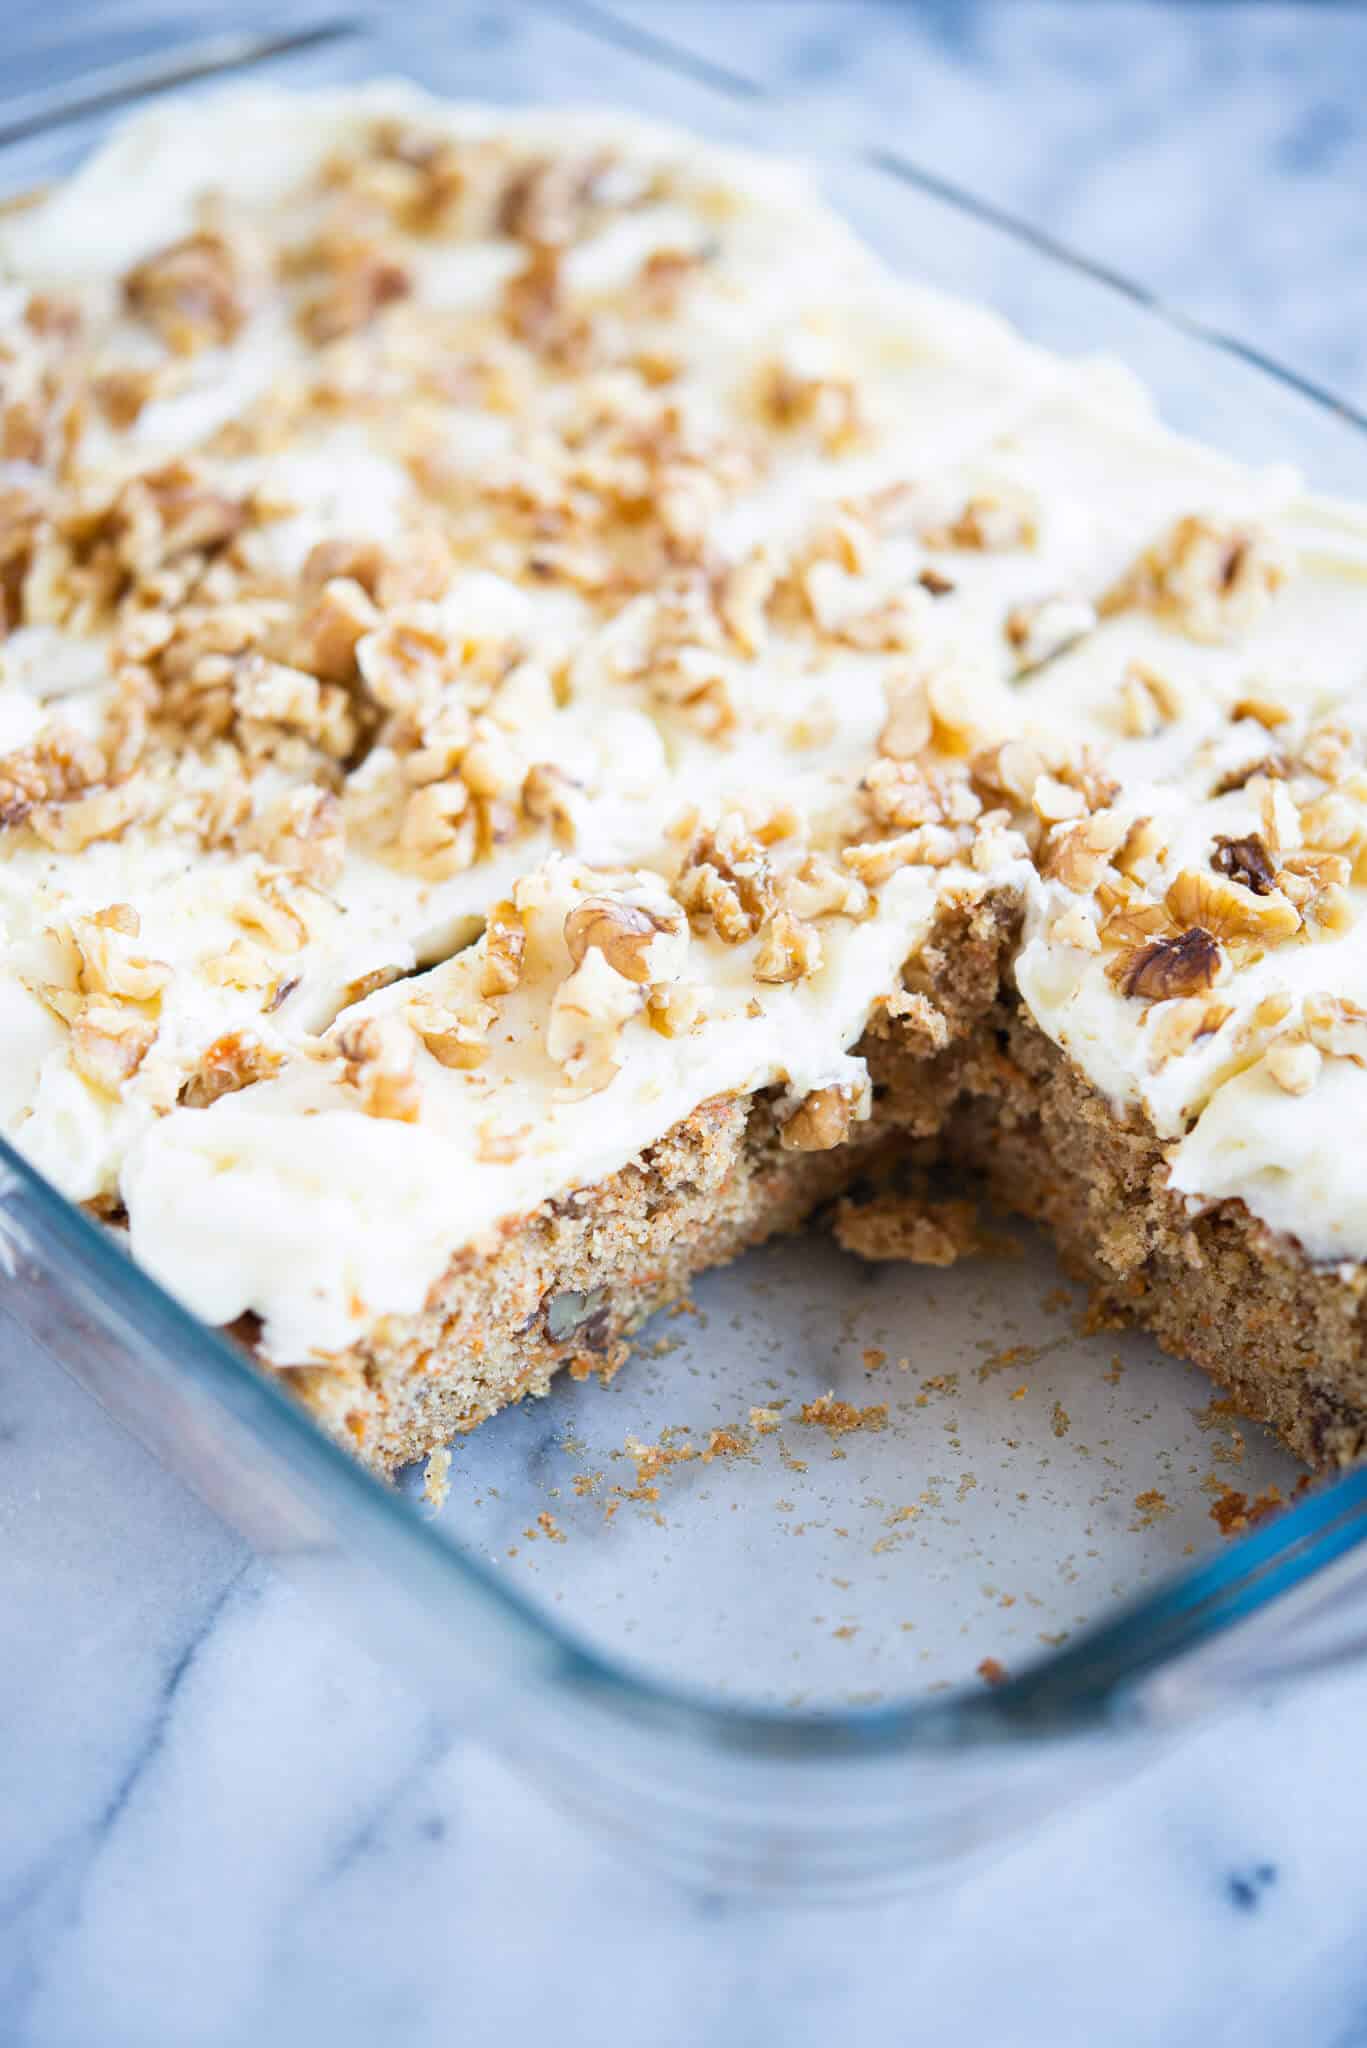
(840, 1418)
(724, 1443)
(901, 1227)
(992, 1671)
(1152, 1506)
(1232, 1512)
(874, 1359)
(436, 1478)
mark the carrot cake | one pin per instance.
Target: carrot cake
(554, 715)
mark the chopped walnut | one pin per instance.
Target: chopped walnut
(456, 1035)
(193, 293)
(1039, 631)
(1055, 802)
(244, 965)
(303, 832)
(438, 830)
(1179, 1025)
(1077, 854)
(1130, 918)
(908, 726)
(1142, 844)
(1148, 701)
(818, 888)
(1329, 749)
(505, 945)
(726, 881)
(1184, 966)
(829, 407)
(551, 797)
(272, 920)
(553, 200)
(789, 950)
(588, 1011)
(1227, 910)
(109, 1042)
(233, 1062)
(84, 820)
(1269, 712)
(992, 521)
(902, 793)
(626, 934)
(537, 312)
(339, 618)
(1337, 1026)
(743, 598)
(1294, 1066)
(106, 963)
(270, 697)
(54, 770)
(874, 860)
(824, 1118)
(1281, 821)
(1332, 824)
(1076, 926)
(378, 1057)
(1332, 911)
(357, 279)
(1212, 578)
(1245, 861)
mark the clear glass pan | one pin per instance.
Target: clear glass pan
(759, 1659)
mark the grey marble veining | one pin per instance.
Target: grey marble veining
(223, 1824)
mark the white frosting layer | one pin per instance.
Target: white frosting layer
(287, 1198)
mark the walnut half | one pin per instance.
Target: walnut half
(823, 1119)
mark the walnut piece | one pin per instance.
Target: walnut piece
(1336, 1026)
(726, 882)
(1294, 1066)
(789, 950)
(235, 1061)
(588, 1011)
(378, 1056)
(1179, 1025)
(1245, 861)
(1184, 966)
(456, 1035)
(192, 293)
(109, 1042)
(823, 1119)
(505, 945)
(1044, 628)
(1227, 910)
(1077, 854)
(1212, 578)
(624, 933)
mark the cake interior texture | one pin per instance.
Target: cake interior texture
(557, 720)
(985, 1093)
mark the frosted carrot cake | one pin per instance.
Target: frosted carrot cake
(553, 715)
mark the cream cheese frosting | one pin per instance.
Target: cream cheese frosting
(517, 625)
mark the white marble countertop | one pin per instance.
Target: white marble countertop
(223, 1825)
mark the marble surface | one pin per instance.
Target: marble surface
(223, 1824)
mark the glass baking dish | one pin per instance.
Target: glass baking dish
(779, 1644)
